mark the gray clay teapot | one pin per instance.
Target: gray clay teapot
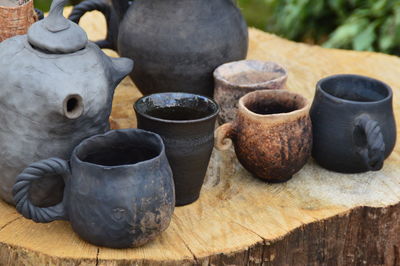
(56, 89)
(176, 44)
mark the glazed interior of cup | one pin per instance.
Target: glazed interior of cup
(120, 148)
(250, 72)
(273, 102)
(355, 88)
(176, 107)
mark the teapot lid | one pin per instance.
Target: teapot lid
(55, 33)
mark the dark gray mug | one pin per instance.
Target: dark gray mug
(354, 129)
(118, 193)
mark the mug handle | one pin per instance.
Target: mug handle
(370, 142)
(223, 136)
(21, 188)
(90, 5)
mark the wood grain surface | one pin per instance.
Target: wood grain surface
(318, 217)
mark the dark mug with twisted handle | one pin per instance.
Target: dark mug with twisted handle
(119, 190)
(353, 123)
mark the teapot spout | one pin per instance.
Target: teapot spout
(121, 67)
(73, 106)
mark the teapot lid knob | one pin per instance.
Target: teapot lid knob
(55, 33)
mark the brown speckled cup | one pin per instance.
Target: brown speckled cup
(234, 80)
(272, 134)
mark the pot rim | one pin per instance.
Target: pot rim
(161, 153)
(304, 109)
(206, 118)
(17, 7)
(220, 77)
(338, 99)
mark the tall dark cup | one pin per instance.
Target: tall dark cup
(186, 123)
(353, 123)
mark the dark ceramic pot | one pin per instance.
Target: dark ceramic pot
(272, 134)
(176, 44)
(353, 123)
(119, 190)
(186, 124)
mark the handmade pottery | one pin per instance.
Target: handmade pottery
(112, 19)
(16, 17)
(176, 44)
(56, 89)
(118, 193)
(186, 124)
(353, 123)
(272, 134)
(234, 80)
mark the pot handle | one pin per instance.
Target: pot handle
(90, 5)
(21, 188)
(223, 136)
(39, 14)
(369, 141)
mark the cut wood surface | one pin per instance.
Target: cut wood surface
(318, 217)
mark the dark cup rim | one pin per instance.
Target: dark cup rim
(206, 118)
(111, 132)
(334, 98)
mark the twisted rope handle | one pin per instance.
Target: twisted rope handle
(223, 135)
(373, 152)
(90, 5)
(21, 188)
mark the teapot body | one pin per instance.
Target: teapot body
(48, 104)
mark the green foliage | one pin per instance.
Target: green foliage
(371, 25)
(44, 5)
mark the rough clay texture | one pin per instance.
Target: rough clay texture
(123, 206)
(34, 92)
(234, 80)
(317, 217)
(272, 148)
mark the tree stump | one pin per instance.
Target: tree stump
(318, 217)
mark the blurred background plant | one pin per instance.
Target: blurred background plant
(44, 5)
(368, 25)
